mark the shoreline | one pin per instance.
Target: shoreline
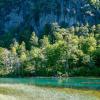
(12, 89)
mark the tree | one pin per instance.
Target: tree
(1, 57)
(86, 60)
(88, 44)
(44, 42)
(14, 47)
(95, 3)
(83, 30)
(34, 40)
(38, 60)
(8, 61)
(96, 57)
(53, 56)
(54, 28)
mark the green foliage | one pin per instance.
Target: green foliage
(96, 56)
(34, 40)
(59, 52)
(88, 44)
(95, 3)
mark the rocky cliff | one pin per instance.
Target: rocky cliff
(37, 13)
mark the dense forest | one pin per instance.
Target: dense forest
(73, 51)
(60, 50)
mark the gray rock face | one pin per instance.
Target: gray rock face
(38, 13)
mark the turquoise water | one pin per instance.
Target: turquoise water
(90, 83)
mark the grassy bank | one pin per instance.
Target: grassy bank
(28, 92)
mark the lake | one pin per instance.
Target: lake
(40, 88)
(91, 83)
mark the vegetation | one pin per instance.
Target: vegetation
(59, 51)
(17, 92)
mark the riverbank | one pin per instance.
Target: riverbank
(30, 92)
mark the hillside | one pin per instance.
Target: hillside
(35, 14)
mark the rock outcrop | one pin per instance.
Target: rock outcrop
(37, 13)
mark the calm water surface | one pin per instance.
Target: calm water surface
(90, 83)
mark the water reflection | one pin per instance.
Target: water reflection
(92, 83)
